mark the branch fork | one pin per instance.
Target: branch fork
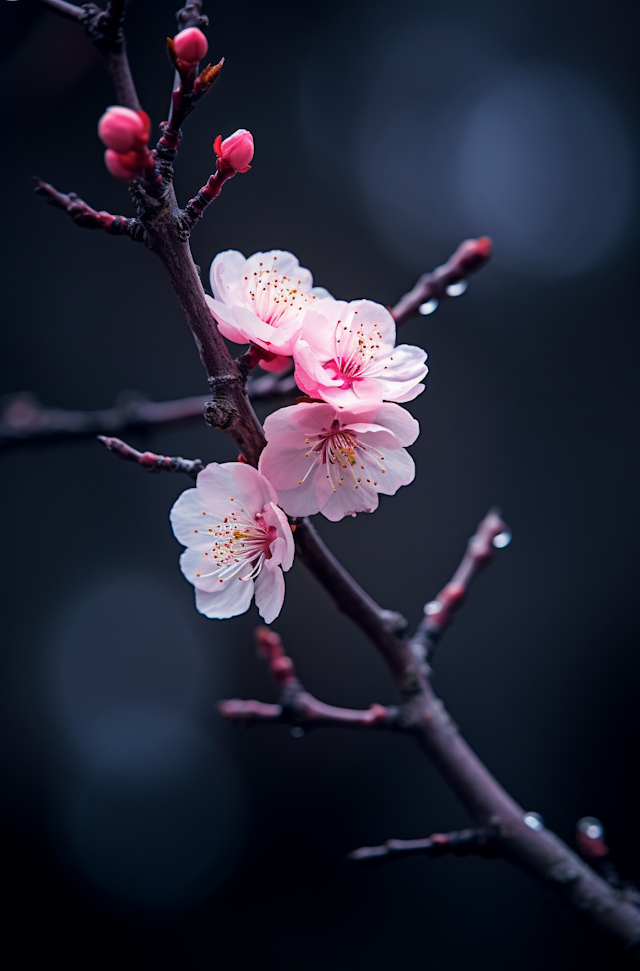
(296, 706)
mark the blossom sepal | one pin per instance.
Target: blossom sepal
(238, 541)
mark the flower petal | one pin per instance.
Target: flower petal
(233, 598)
(274, 516)
(399, 470)
(269, 593)
(253, 489)
(227, 271)
(187, 520)
(225, 321)
(337, 501)
(399, 422)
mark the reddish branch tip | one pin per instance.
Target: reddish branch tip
(590, 838)
(189, 47)
(270, 649)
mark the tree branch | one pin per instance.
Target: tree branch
(464, 842)
(151, 462)
(105, 29)
(86, 217)
(469, 257)
(537, 851)
(296, 706)
(23, 419)
(492, 533)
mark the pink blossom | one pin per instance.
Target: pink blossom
(236, 150)
(238, 541)
(262, 300)
(124, 130)
(346, 356)
(190, 46)
(336, 464)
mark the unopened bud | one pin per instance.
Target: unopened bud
(124, 130)
(123, 166)
(236, 150)
(190, 47)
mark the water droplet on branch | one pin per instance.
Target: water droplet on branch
(433, 607)
(428, 307)
(502, 539)
(534, 821)
(457, 289)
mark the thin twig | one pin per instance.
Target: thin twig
(151, 462)
(492, 533)
(464, 842)
(86, 217)
(212, 188)
(296, 706)
(470, 256)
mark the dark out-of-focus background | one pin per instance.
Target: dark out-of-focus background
(137, 830)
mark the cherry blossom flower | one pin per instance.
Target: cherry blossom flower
(261, 300)
(238, 541)
(346, 356)
(336, 464)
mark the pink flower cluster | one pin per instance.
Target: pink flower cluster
(333, 453)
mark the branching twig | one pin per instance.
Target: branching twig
(492, 533)
(296, 706)
(464, 842)
(470, 256)
(151, 462)
(83, 215)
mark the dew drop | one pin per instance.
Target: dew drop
(428, 307)
(457, 289)
(433, 607)
(534, 821)
(591, 827)
(296, 732)
(502, 539)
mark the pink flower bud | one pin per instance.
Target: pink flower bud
(123, 130)
(190, 46)
(236, 150)
(122, 166)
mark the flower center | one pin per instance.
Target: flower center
(343, 457)
(275, 297)
(237, 539)
(355, 349)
